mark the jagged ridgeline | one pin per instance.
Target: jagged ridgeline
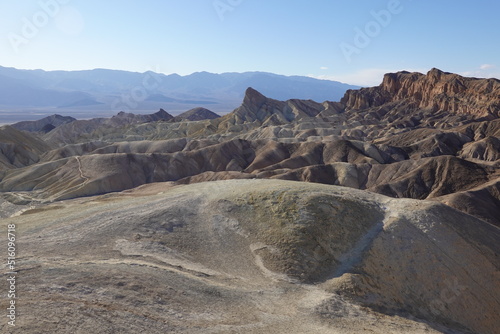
(394, 228)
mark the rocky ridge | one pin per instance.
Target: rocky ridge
(43, 125)
(436, 91)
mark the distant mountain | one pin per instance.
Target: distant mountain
(163, 98)
(104, 92)
(81, 103)
(15, 92)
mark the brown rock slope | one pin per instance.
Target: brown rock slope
(255, 256)
(19, 149)
(123, 166)
(437, 91)
(82, 129)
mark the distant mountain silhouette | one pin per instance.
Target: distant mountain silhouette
(103, 90)
(81, 103)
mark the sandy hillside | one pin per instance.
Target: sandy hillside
(254, 256)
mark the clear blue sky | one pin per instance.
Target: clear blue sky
(322, 38)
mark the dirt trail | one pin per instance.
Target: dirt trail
(86, 179)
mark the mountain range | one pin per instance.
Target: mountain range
(378, 212)
(101, 93)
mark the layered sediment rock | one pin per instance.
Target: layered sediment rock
(437, 91)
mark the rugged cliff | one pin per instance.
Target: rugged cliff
(437, 91)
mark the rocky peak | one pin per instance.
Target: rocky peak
(123, 114)
(435, 74)
(259, 108)
(162, 114)
(196, 114)
(253, 98)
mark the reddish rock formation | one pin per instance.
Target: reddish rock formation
(437, 91)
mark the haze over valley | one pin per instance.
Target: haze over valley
(27, 95)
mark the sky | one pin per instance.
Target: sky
(354, 42)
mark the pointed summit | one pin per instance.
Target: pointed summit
(435, 74)
(253, 98)
(162, 114)
(435, 71)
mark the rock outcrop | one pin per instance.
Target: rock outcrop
(258, 108)
(437, 91)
